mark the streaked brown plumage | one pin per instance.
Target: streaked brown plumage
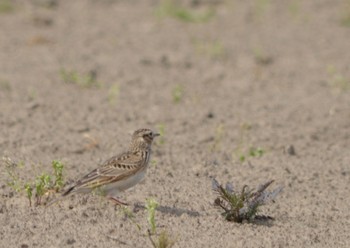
(119, 172)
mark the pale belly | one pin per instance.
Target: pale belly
(114, 189)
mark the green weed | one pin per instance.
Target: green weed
(261, 57)
(261, 7)
(345, 19)
(58, 173)
(163, 241)
(161, 130)
(29, 191)
(244, 204)
(5, 85)
(252, 152)
(338, 80)
(151, 206)
(169, 8)
(41, 185)
(177, 93)
(113, 93)
(6, 6)
(85, 81)
(214, 49)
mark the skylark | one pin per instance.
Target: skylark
(119, 172)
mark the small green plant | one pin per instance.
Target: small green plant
(113, 93)
(177, 93)
(11, 168)
(58, 173)
(261, 7)
(338, 80)
(294, 8)
(6, 6)
(164, 240)
(168, 8)
(161, 130)
(5, 85)
(84, 81)
(151, 206)
(29, 190)
(213, 49)
(244, 204)
(252, 152)
(42, 185)
(261, 57)
(345, 19)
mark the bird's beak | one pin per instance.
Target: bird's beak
(156, 134)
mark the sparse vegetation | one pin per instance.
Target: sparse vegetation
(42, 185)
(252, 152)
(5, 85)
(113, 93)
(58, 173)
(6, 6)
(85, 81)
(130, 216)
(151, 206)
(245, 151)
(345, 20)
(212, 49)
(177, 93)
(244, 204)
(261, 7)
(338, 80)
(169, 8)
(161, 130)
(261, 57)
(163, 240)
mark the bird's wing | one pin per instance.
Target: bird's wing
(114, 169)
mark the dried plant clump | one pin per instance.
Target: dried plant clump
(244, 204)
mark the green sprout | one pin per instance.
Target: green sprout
(29, 190)
(6, 6)
(58, 173)
(113, 93)
(164, 241)
(42, 184)
(178, 92)
(168, 8)
(212, 49)
(161, 130)
(151, 206)
(256, 152)
(84, 81)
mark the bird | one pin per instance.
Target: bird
(118, 173)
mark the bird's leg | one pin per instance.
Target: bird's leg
(117, 201)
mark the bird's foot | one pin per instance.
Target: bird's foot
(117, 201)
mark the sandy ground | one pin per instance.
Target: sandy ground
(268, 74)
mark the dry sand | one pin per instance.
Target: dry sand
(267, 74)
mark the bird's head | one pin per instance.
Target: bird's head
(142, 139)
